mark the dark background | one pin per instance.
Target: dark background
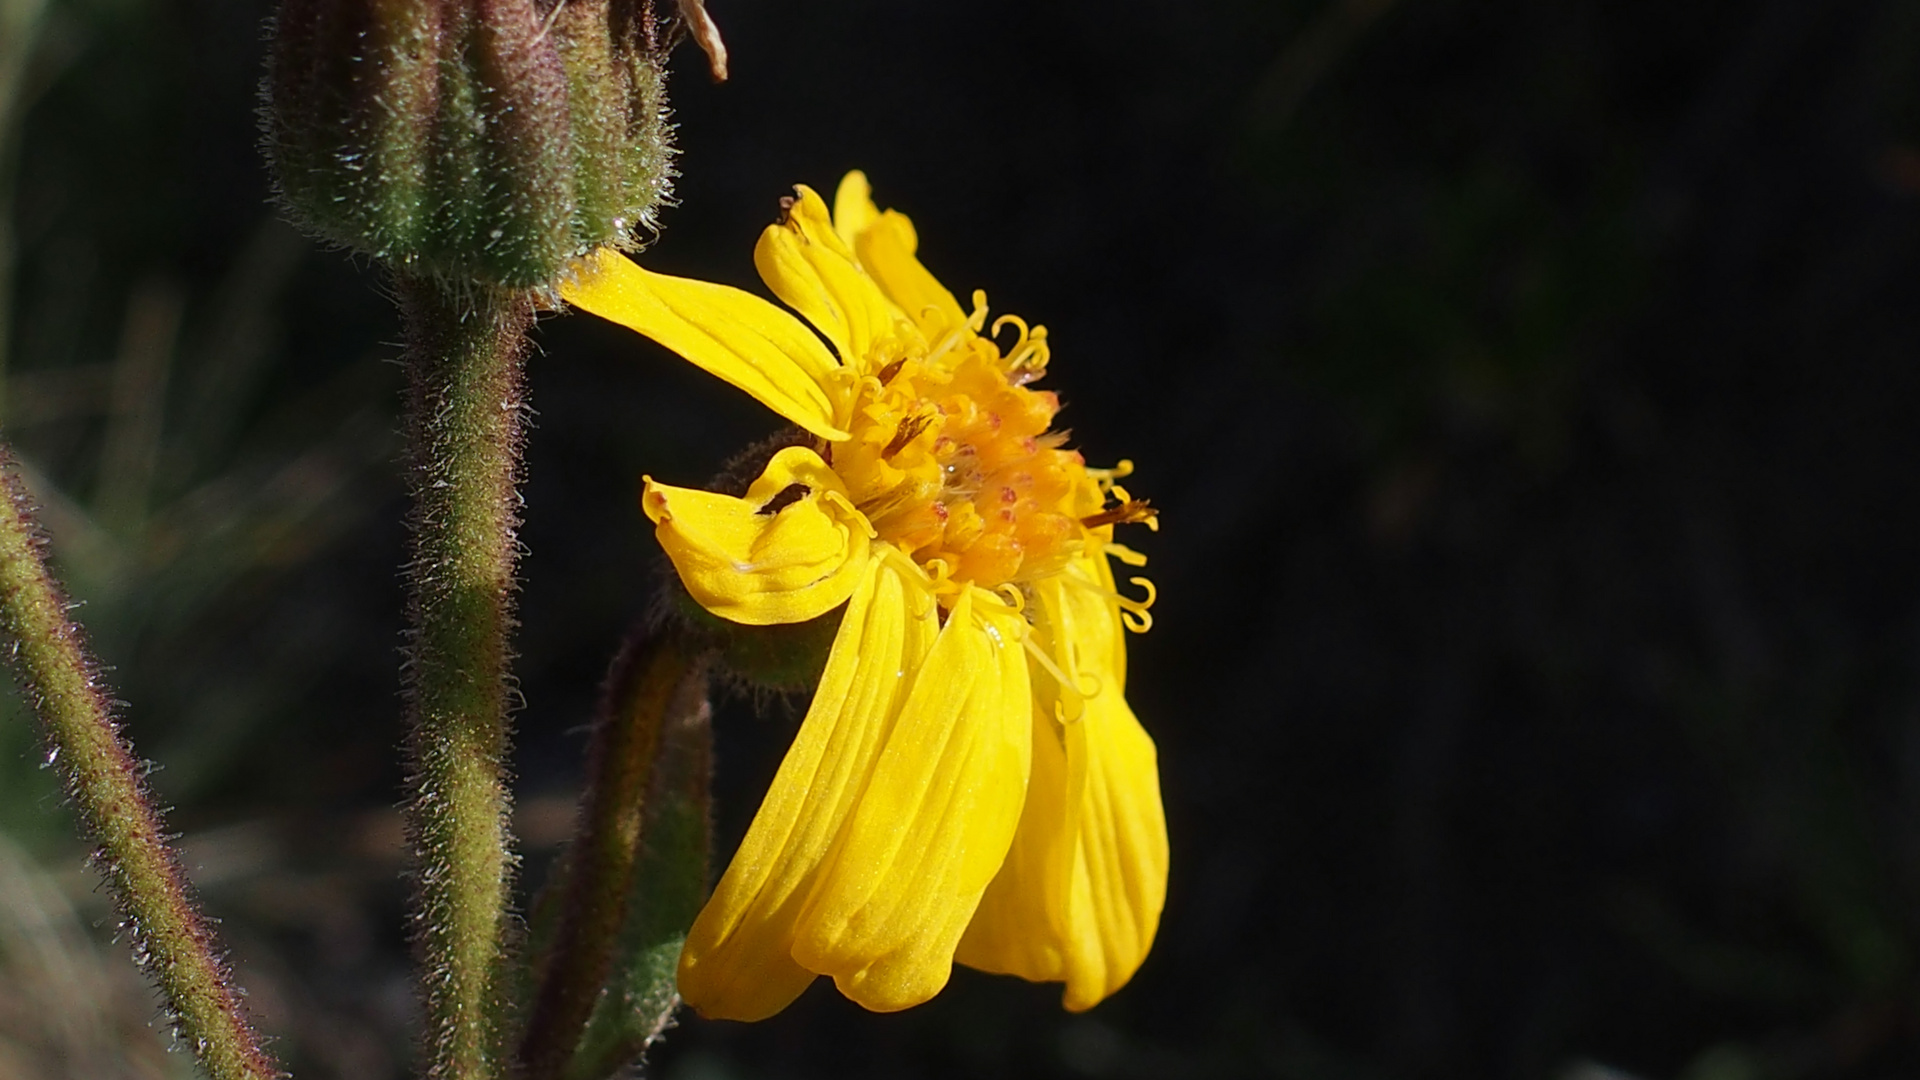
(1528, 391)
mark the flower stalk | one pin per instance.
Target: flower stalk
(466, 428)
(657, 683)
(171, 939)
(475, 148)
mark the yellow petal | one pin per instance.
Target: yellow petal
(750, 566)
(737, 962)
(933, 827)
(853, 208)
(732, 334)
(1023, 923)
(1079, 899)
(1120, 872)
(886, 249)
(812, 269)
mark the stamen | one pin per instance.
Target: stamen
(979, 317)
(887, 373)
(911, 575)
(909, 430)
(1026, 361)
(1131, 512)
(940, 583)
(843, 385)
(1028, 365)
(868, 388)
(847, 510)
(1018, 323)
(1072, 703)
(1090, 685)
(1016, 599)
(1000, 600)
(1152, 593)
(1134, 613)
(946, 343)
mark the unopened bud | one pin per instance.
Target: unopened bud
(488, 141)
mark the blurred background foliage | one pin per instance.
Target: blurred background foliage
(1528, 389)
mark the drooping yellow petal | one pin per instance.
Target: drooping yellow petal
(1023, 923)
(933, 827)
(853, 208)
(732, 334)
(737, 963)
(1079, 899)
(1120, 872)
(1080, 896)
(811, 269)
(794, 548)
(886, 249)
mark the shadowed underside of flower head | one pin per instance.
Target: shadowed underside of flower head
(969, 782)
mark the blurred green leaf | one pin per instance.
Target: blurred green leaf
(669, 887)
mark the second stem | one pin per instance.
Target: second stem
(658, 683)
(466, 429)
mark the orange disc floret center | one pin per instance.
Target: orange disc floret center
(953, 462)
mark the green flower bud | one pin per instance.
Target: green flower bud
(487, 141)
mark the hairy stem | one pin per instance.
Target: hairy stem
(465, 421)
(170, 939)
(658, 677)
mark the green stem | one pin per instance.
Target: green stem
(657, 678)
(466, 418)
(668, 887)
(170, 939)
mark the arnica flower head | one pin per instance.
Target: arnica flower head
(969, 783)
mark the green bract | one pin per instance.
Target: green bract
(485, 141)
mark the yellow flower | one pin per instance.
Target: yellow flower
(969, 782)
